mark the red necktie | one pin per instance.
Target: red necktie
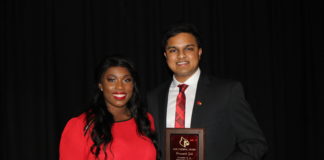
(181, 107)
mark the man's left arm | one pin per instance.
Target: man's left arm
(250, 142)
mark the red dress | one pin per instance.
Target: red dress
(127, 144)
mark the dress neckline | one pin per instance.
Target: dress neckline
(124, 120)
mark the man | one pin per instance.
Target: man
(218, 106)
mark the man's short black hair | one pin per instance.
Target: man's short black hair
(181, 28)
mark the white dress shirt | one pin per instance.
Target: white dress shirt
(190, 93)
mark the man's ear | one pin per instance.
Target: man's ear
(200, 52)
(164, 54)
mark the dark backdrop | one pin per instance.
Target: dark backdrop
(50, 47)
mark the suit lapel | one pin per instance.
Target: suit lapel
(162, 103)
(163, 99)
(200, 98)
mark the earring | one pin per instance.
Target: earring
(101, 89)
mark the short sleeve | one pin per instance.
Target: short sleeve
(73, 142)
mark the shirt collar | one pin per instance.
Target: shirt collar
(192, 81)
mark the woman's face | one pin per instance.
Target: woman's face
(117, 86)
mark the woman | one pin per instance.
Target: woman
(115, 127)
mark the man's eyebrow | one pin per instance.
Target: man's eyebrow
(190, 45)
(170, 47)
(173, 47)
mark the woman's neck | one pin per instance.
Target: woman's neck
(120, 114)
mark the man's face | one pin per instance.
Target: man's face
(182, 54)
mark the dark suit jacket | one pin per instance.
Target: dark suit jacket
(231, 131)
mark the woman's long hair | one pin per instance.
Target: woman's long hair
(99, 120)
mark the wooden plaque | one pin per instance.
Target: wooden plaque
(184, 144)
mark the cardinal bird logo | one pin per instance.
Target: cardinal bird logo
(184, 142)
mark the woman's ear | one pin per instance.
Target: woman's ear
(100, 86)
